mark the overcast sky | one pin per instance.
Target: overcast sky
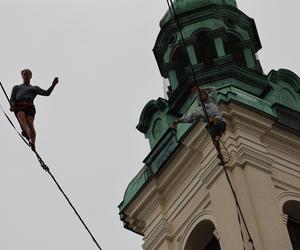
(102, 53)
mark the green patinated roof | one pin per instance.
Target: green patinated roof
(185, 6)
(135, 185)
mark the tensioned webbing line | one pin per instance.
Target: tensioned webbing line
(46, 168)
(177, 23)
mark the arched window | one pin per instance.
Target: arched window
(292, 210)
(202, 237)
(205, 49)
(180, 62)
(231, 45)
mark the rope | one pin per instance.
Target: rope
(229, 157)
(239, 208)
(242, 235)
(10, 121)
(47, 169)
(175, 18)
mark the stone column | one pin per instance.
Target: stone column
(249, 57)
(192, 54)
(225, 212)
(259, 189)
(219, 46)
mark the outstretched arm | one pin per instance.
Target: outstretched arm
(47, 92)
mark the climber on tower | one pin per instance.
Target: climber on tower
(216, 124)
(21, 101)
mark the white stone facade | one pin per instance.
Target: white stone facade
(192, 188)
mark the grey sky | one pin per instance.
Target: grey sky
(102, 53)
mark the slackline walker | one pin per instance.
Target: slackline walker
(214, 120)
(43, 165)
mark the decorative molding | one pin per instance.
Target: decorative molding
(287, 196)
(149, 110)
(217, 234)
(287, 116)
(249, 157)
(287, 76)
(284, 218)
(162, 232)
(211, 172)
(203, 215)
(203, 205)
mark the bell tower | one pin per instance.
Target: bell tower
(219, 36)
(181, 199)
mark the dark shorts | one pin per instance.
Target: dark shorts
(27, 107)
(217, 129)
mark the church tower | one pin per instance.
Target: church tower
(181, 199)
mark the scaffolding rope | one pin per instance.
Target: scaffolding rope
(47, 169)
(177, 23)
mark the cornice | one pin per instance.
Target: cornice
(251, 81)
(287, 116)
(286, 76)
(251, 158)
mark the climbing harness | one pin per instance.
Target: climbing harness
(239, 212)
(213, 120)
(47, 169)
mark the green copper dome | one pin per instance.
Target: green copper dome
(184, 6)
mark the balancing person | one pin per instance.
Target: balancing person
(216, 124)
(21, 100)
